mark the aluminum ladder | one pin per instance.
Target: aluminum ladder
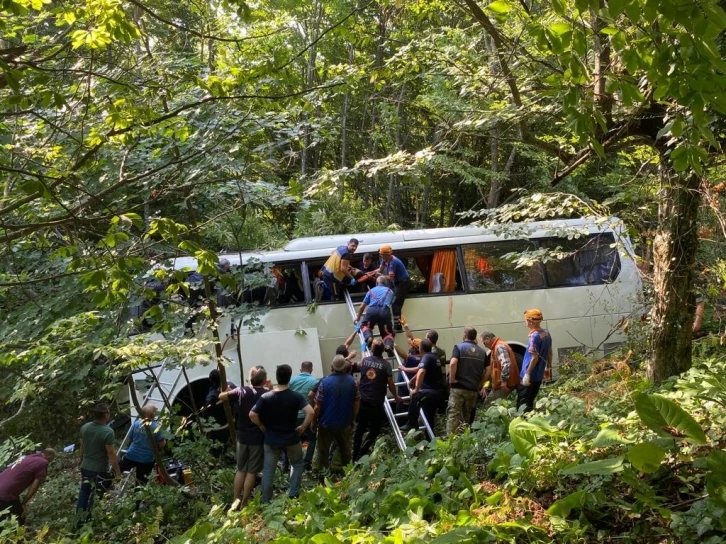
(390, 403)
(163, 385)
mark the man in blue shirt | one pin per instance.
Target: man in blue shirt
(336, 407)
(536, 360)
(140, 453)
(303, 383)
(393, 268)
(377, 307)
(337, 269)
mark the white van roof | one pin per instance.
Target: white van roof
(318, 247)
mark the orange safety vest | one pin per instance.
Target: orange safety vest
(513, 380)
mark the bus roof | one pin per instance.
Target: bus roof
(317, 247)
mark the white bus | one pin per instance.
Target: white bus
(461, 276)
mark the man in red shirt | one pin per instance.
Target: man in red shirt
(28, 473)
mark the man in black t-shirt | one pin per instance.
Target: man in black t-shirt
(428, 390)
(276, 415)
(250, 440)
(375, 376)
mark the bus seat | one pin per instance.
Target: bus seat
(438, 283)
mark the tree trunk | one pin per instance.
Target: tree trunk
(674, 257)
(344, 124)
(313, 35)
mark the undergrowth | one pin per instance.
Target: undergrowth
(606, 458)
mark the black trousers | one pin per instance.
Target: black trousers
(143, 470)
(380, 316)
(401, 291)
(16, 509)
(427, 400)
(370, 418)
(526, 394)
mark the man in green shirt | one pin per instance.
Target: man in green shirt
(98, 456)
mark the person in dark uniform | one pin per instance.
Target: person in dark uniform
(375, 376)
(468, 365)
(394, 268)
(428, 389)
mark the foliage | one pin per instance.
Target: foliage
(586, 467)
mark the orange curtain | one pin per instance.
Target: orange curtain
(445, 263)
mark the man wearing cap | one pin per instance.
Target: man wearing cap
(537, 358)
(468, 365)
(503, 371)
(337, 268)
(394, 268)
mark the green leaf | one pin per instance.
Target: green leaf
(603, 466)
(500, 7)
(524, 438)
(325, 538)
(609, 436)
(560, 28)
(565, 505)
(667, 418)
(716, 479)
(646, 457)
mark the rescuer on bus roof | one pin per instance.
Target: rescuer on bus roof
(394, 268)
(337, 269)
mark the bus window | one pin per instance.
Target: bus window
(488, 270)
(593, 261)
(288, 285)
(433, 272)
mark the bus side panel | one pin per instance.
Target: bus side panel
(291, 347)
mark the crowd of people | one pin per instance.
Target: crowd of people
(338, 417)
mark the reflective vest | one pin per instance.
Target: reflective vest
(513, 380)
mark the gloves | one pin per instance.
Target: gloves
(352, 281)
(363, 347)
(526, 381)
(357, 326)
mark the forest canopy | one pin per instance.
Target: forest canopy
(133, 131)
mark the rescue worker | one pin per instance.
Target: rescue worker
(394, 268)
(503, 371)
(337, 269)
(537, 360)
(428, 388)
(375, 375)
(467, 368)
(377, 308)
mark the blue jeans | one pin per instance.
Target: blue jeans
(311, 438)
(272, 456)
(91, 483)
